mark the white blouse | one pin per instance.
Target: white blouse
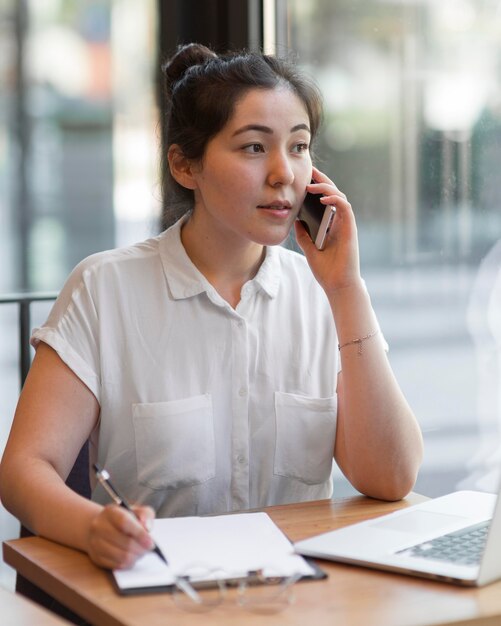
(204, 408)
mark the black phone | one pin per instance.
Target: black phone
(316, 218)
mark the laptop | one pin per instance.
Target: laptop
(455, 538)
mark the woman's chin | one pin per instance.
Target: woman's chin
(272, 237)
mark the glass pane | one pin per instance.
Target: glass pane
(413, 136)
(78, 153)
(7, 129)
(78, 121)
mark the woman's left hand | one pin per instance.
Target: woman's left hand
(337, 265)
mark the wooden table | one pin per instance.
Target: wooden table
(351, 596)
(18, 611)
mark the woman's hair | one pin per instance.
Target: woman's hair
(200, 90)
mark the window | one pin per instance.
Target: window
(78, 134)
(79, 145)
(413, 136)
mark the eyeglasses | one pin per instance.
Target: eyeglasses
(200, 589)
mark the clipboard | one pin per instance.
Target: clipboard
(317, 574)
(235, 546)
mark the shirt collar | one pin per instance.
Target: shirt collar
(185, 280)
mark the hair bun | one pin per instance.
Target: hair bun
(186, 56)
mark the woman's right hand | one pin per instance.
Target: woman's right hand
(337, 266)
(117, 539)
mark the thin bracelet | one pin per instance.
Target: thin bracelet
(358, 341)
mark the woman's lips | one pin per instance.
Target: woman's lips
(280, 209)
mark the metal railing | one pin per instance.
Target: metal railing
(24, 302)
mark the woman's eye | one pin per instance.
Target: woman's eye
(301, 147)
(254, 148)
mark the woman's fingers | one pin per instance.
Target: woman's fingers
(322, 184)
(117, 539)
(145, 516)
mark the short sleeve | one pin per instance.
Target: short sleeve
(72, 328)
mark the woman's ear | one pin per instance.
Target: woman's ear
(181, 167)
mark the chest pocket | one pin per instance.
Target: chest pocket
(305, 436)
(175, 442)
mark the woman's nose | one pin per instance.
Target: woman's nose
(280, 171)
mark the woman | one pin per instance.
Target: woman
(204, 363)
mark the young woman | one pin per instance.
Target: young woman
(212, 369)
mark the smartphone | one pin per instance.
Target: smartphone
(316, 218)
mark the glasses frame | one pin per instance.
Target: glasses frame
(187, 590)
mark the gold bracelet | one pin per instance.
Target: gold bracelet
(358, 341)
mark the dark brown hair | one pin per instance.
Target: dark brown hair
(200, 92)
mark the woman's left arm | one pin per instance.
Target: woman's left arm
(378, 441)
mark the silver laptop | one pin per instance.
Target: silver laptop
(454, 538)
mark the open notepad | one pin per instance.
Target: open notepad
(229, 546)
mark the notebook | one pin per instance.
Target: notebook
(209, 548)
(426, 540)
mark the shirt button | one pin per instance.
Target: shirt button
(241, 458)
(242, 392)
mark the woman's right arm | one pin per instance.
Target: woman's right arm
(55, 415)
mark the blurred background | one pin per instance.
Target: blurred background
(412, 134)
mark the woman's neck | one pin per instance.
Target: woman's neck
(227, 264)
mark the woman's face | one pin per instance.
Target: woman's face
(252, 179)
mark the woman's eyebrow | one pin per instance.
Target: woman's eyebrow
(266, 129)
(300, 127)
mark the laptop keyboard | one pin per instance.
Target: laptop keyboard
(462, 547)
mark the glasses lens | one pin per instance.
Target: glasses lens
(269, 594)
(188, 595)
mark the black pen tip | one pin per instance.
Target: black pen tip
(159, 552)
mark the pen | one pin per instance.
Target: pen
(104, 478)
